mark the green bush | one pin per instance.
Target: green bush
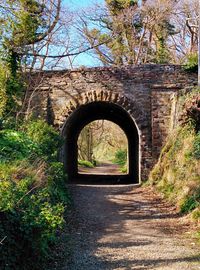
(85, 163)
(57, 182)
(124, 169)
(190, 203)
(121, 157)
(16, 145)
(191, 63)
(37, 138)
(33, 198)
(33, 195)
(45, 136)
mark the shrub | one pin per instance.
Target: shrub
(44, 135)
(190, 203)
(16, 145)
(85, 163)
(33, 195)
(124, 169)
(120, 157)
(28, 204)
(57, 182)
(32, 203)
(196, 215)
(191, 63)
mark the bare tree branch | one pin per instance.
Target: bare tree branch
(66, 54)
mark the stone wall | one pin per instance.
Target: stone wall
(146, 92)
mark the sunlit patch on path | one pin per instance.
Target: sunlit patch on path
(127, 227)
(102, 169)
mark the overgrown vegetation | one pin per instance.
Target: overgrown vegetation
(85, 163)
(33, 196)
(99, 143)
(121, 159)
(191, 63)
(177, 173)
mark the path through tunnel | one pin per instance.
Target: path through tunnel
(102, 149)
(84, 115)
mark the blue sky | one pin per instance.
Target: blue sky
(83, 59)
(81, 3)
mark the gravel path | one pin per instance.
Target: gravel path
(127, 227)
(102, 169)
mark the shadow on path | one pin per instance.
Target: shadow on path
(127, 227)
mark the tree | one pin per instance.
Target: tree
(24, 24)
(139, 32)
(100, 140)
(131, 32)
(35, 34)
(184, 42)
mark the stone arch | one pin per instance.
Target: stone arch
(144, 91)
(132, 111)
(133, 107)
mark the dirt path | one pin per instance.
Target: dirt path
(103, 169)
(126, 227)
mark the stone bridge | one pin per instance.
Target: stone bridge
(140, 99)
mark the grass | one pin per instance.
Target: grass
(177, 173)
(33, 195)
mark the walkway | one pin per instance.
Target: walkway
(126, 227)
(102, 169)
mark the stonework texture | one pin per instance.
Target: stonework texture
(146, 92)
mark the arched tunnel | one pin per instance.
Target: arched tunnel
(82, 116)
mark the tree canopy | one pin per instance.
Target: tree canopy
(137, 32)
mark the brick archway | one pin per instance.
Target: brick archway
(127, 114)
(134, 108)
(146, 92)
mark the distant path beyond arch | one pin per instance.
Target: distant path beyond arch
(102, 169)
